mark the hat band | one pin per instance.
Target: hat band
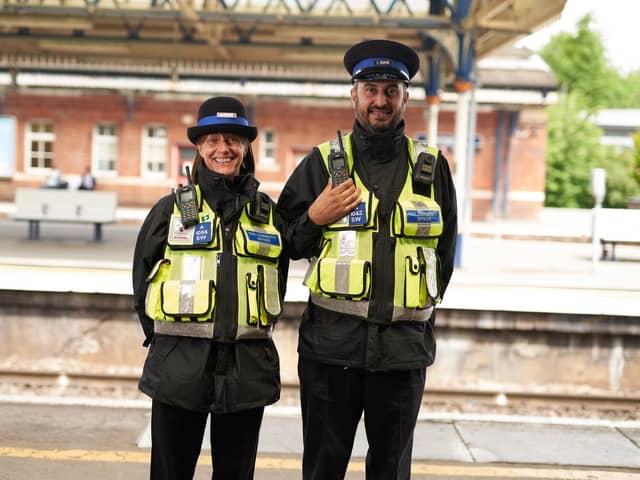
(215, 120)
(381, 62)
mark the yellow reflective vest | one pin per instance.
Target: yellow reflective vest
(181, 296)
(340, 277)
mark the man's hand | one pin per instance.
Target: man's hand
(334, 203)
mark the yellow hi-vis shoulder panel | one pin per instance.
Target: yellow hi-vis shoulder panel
(365, 214)
(205, 234)
(340, 278)
(181, 295)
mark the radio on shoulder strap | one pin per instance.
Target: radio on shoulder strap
(260, 208)
(425, 168)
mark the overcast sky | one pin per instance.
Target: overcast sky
(617, 21)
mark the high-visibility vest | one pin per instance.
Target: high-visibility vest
(181, 296)
(340, 277)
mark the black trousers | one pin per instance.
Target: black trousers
(333, 399)
(176, 438)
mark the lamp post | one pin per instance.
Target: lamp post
(598, 190)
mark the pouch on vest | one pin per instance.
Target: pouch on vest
(205, 234)
(263, 296)
(415, 291)
(187, 300)
(418, 219)
(348, 279)
(158, 274)
(430, 268)
(258, 240)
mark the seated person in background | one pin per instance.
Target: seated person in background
(54, 179)
(87, 182)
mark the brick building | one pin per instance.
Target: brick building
(132, 131)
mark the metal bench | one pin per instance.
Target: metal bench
(617, 226)
(78, 206)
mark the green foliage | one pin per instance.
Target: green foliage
(620, 184)
(588, 83)
(573, 150)
(579, 64)
(636, 157)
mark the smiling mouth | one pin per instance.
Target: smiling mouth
(223, 160)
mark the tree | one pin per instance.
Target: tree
(573, 151)
(588, 83)
(580, 65)
(621, 186)
(636, 157)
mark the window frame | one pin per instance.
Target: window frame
(31, 136)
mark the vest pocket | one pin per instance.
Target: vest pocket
(415, 292)
(430, 267)
(258, 241)
(347, 278)
(187, 300)
(263, 296)
(418, 219)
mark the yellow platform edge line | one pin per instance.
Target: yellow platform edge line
(274, 463)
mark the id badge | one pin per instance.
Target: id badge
(358, 216)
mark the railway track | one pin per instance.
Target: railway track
(120, 387)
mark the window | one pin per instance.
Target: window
(267, 158)
(39, 140)
(105, 150)
(154, 151)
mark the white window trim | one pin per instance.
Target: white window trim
(271, 166)
(95, 167)
(144, 173)
(28, 137)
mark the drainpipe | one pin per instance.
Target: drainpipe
(513, 122)
(497, 168)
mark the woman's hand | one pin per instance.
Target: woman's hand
(334, 203)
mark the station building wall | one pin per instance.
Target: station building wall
(288, 128)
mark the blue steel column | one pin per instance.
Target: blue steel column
(432, 88)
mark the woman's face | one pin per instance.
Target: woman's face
(223, 152)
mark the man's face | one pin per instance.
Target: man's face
(379, 104)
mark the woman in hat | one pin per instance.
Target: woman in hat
(209, 275)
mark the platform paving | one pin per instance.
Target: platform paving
(545, 265)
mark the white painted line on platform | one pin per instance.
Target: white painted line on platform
(294, 411)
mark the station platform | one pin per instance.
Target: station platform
(513, 266)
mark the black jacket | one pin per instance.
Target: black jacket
(195, 373)
(334, 338)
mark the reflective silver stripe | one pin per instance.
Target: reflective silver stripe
(271, 292)
(431, 271)
(411, 314)
(342, 276)
(263, 248)
(361, 309)
(245, 331)
(184, 329)
(187, 291)
(422, 229)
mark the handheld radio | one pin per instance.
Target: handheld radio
(338, 164)
(187, 201)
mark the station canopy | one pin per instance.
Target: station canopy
(293, 39)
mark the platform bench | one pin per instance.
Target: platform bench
(617, 226)
(78, 206)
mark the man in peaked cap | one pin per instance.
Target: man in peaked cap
(375, 211)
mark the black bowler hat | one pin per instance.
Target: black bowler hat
(222, 115)
(381, 60)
